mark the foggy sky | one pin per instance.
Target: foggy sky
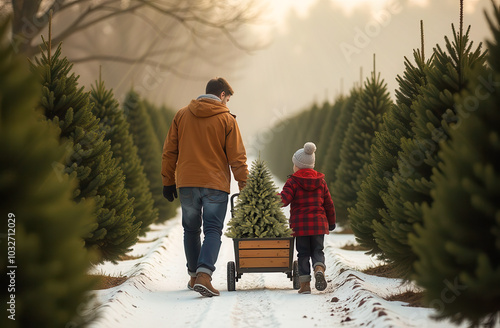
(307, 62)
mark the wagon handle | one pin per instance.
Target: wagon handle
(232, 202)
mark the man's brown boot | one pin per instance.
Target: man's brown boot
(191, 283)
(305, 287)
(203, 286)
(319, 276)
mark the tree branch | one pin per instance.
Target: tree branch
(142, 59)
(199, 19)
(74, 28)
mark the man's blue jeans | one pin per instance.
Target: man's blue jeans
(202, 207)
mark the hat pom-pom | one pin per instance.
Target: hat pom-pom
(309, 148)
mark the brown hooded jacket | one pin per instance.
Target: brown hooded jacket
(203, 142)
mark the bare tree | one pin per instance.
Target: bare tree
(201, 20)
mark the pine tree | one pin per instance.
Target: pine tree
(458, 243)
(111, 120)
(89, 156)
(330, 120)
(396, 124)
(284, 143)
(41, 222)
(258, 213)
(149, 151)
(410, 185)
(313, 129)
(168, 115)
(332, 158)
(273, 153)
(305, 125)
(373, 102)
(161, 119)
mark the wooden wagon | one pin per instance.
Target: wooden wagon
(262, 255)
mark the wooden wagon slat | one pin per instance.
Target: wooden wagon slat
(264, 262)
(243, 244)
(264, 252)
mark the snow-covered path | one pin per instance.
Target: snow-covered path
(155, 295)
(156, 292)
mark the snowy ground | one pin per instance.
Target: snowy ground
(155, 295)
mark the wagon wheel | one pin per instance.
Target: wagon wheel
(231, 276)
(295, 273)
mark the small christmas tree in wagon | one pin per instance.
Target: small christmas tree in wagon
(263, 241)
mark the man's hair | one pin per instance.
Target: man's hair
(217, 85)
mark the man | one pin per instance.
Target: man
(203, 142)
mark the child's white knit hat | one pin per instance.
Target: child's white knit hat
(304, 158)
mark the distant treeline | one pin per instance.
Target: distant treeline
(418, 179)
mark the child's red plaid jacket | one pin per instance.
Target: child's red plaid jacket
(312, 210)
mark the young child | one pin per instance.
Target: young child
(312, 215)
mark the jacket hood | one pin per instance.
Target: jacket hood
(206, 107)
(308, 179)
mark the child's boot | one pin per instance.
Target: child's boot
(319, 276)
(305, 287)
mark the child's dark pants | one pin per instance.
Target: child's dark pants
(309, 247)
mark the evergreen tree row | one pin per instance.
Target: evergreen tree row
(89, 158)
(75, 186)
(372, 102)
(117, 131)
(43, 262)
(409, 189)
(457, 245)
(110, 152)
(312, 125)
(149, 149)
(417, 180)
(396, 124)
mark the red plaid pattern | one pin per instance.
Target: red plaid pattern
(312, 209)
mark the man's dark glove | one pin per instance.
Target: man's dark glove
(331, 227)
(170, 192)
